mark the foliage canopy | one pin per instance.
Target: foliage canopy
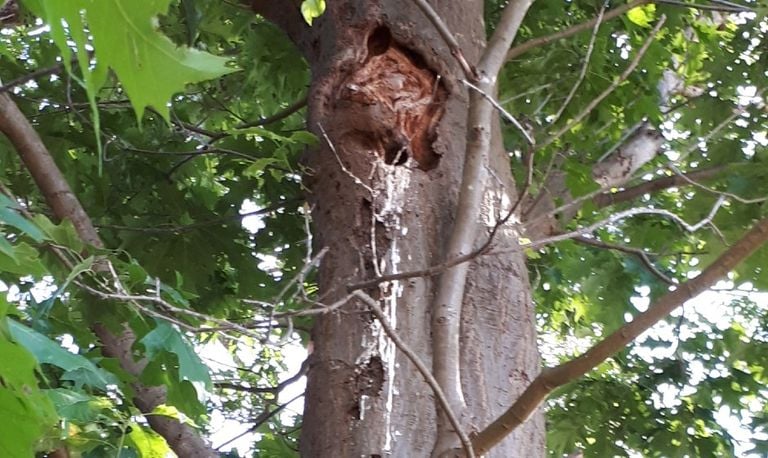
(167, 133)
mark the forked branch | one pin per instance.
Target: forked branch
(554, 377)
(446, 308)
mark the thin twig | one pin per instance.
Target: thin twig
(420, 366)
(699, 6)
(161, 228)
(586, 25)
(639, 253)
(620, 216)
(298, 278)
(260, 420)
(282, 114)
(735, 197)
(507, 115)
(450, 40)
(615, 84)
(584, 67)
(272, 389)
(197, 152)
(52, 70)
(344, 168)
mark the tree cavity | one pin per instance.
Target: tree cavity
(390, 104)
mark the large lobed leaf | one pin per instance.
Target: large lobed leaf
(126, 39)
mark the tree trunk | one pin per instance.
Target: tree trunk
(391, 116)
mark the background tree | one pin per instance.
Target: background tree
(433, 184)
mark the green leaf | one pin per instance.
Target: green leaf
(312, 9)
(166, 338)
(25, 261)
(9, 215)
(6, 248)
(78, 368)
(149, 65)
(78, 406)
(148, 443)
(642, 15)
(63, 234)
(27, 412)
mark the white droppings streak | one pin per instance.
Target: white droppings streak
(394, 182)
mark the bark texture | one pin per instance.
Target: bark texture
(384, 187)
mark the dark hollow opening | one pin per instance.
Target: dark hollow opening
(379, 41)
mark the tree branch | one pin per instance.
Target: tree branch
(494, 56)
(33, 76)
(447, 302)
(610, 198)
(453, 45)
(586, 25)
(620, 216)
(271, 389)
(284, 13)
(640, 254)
(551, 378)
(182, 438)
(699, 6)
(282, 114)
(584, 67)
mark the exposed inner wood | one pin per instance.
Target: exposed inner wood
(390, 105)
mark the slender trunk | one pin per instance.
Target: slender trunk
(391, 115)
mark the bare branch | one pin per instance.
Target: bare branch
(284, 14)
(506, 30)
(358, 181)
(640, 254)
(260, 420)
(623, 215)
(137, 300)
(191, 153)
(52, 70)
(280, 115)
(689, 180)
(584, 67)
(699, 6)
(586, 25)
(420, 366)
(44, 170)
(271, 389)
(609, 198)
(164, 228)
(447, 302)
(551, 378)
(450, 40)
(507, 115)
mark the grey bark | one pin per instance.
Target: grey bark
(363, 397)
